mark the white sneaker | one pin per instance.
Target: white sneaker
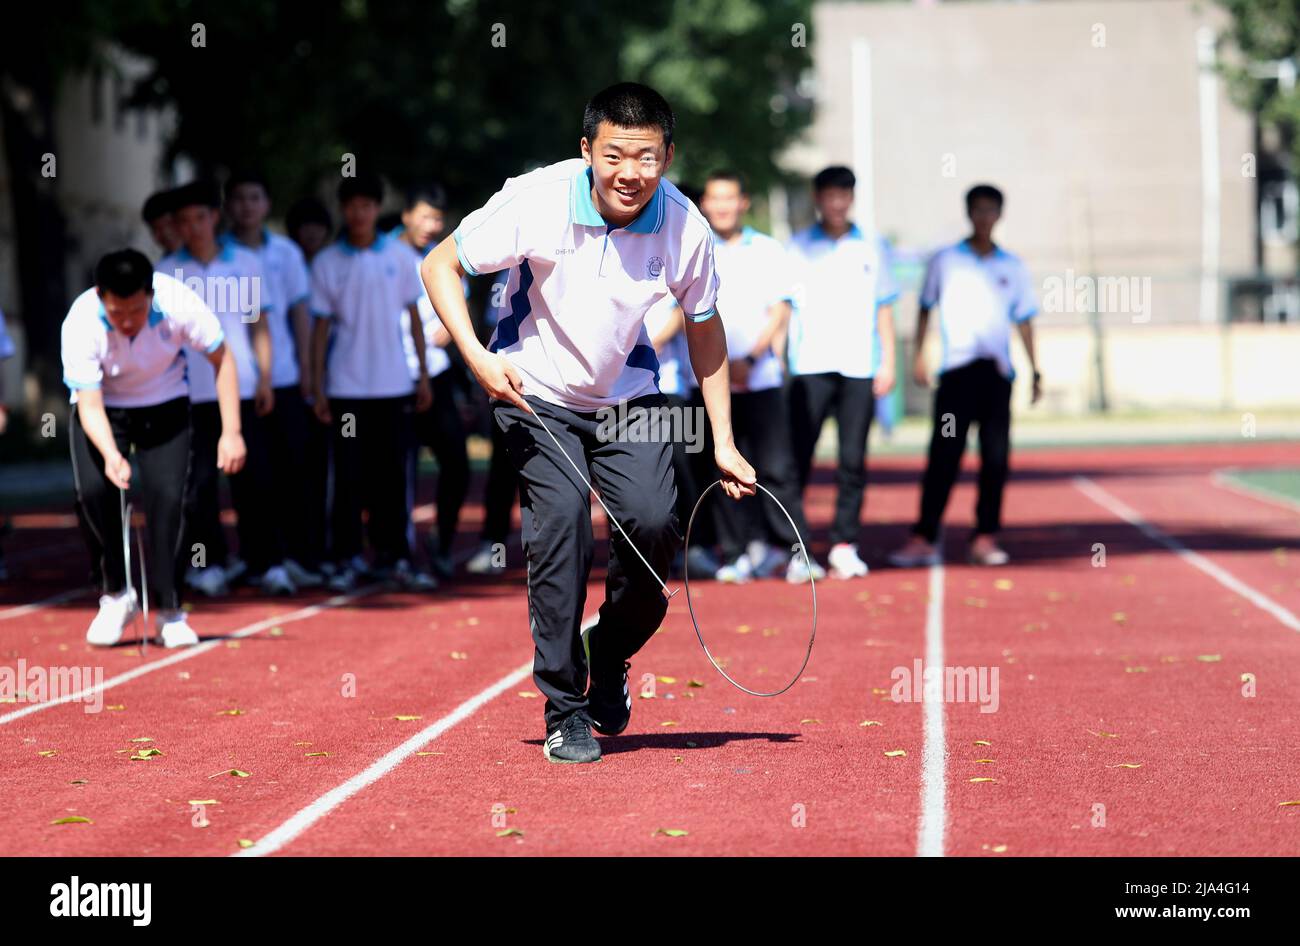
(302, 577)
(845, 563)
(211, 581)
(115, 613)
(797, 572)
(484, 561)
(343, 581)
(737, 572)
(175, 630)
(909, 557)
(234, 570)
(276, 581)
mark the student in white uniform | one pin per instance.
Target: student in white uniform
(841, 350)
(981, 291)
(158, 215)
(285, 430)
(122, 348)
(595, 243)
(231, 282)
(362, 286)
(755, 293)
(439, 428)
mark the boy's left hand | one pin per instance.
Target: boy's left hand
(738, 477)
(883, 382)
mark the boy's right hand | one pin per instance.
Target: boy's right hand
(499, 379)
(321, 408)
(118, 470)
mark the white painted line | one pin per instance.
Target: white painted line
(1223, 480)
(189, 653)
(322, 806)
(934, 752)
(1195, 559)
(9, 614)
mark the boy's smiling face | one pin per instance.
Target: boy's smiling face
(626, 165)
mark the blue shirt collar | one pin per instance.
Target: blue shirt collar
(854, 233)
(229, 238)
(965, 247)
(155, 314)
(381, 239)
(225, 251)
(582, 210)
(746, 236)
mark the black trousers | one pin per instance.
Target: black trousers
(975, 392)
(500, 490)
(764, 441)
(812, 398)
(297, 510)
(161, 437)
(635, 479)
(372, 438)
(440, 429)
(260, 540)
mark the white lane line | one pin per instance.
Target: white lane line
(1261, 494)
(9, 614)
(934, 754)
(322, 806)
(189, 653)
(1195, 559)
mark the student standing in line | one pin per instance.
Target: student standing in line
(981, 291)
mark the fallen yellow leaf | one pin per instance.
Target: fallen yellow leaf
(73, 819)
(894, 753)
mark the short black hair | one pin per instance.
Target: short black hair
(837, 175)
(365, 184)
(388, 221)
(307, 210)
(202, 193)
(628, 105)
(247, 176)
(428, 192)
(726, 174)
(983, 192)
(157, 205)
(124, 273)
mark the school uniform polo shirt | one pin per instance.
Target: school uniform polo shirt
(436, 359)
(676, 376)
(366, 293)
(285, 270)
(755, 274)
(979, 297)
(839, 285)
(579, 289)
(145, 370)
(234, 288)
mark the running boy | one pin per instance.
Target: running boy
(597, 241)
(981, 291)
(122, 344)
(841, 349)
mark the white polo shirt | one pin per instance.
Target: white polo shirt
(574, 326)
(149, 368)
(366, 293)
(6, 343)
(436, 359)
(755, 274)
(285, 270)
(233, 286)
(979, 297)
(839, 285)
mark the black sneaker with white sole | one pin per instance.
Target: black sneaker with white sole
(572, 740)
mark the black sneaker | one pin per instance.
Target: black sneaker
(608, 701)
(572, 740)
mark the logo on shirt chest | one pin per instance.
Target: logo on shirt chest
(654, 267)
